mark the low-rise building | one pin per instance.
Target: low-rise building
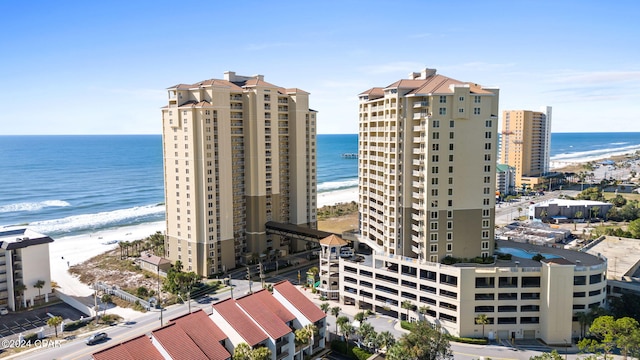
(505, 180)
(156, 264)
(561, 209)
(25, 274)
(260, 319)
(522, 298)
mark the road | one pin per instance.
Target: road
(508, 212)
(77, 349)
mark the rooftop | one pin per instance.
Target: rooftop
(20, 237)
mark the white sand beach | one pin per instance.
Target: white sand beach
(72, 250)
(337, 196)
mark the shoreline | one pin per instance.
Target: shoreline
(73, 250)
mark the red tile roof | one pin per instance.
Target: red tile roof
(310, 310)
(240, 322)
(263, 315)
(275, 306)
(134, 349)
(204, 333)
(178, 344)
(153, 259)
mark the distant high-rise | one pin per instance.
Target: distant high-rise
(427, 167)
(238, 152)
(526, 144)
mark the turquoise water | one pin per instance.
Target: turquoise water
(525, 254)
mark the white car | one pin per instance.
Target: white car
(4, 311)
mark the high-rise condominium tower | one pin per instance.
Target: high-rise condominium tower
(238, 153)
(427, 167)
(526, 142)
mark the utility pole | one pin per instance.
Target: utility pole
(261, 272)
(249, 278)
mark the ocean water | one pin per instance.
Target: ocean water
(66, 185)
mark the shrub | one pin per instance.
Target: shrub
(31, 338)
(502, 256)
(469, 340)
(360, 354)
(142, 292)
(407, 325)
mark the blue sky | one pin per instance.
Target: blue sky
(102, 67)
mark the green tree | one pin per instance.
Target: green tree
(618, 201)
(424, 310)
(305, 334)
(407, 305)
(623, 333)
(340, 320)
(360, 317)
(423, 343)
(335, 311)
(242, 352)
(261, 353)
(386, 339)
(325, 307)
(483, 320)
(346, 329)
(54, 322)
(634, 228)
(19, 290)
(366, 331)
(39, 285)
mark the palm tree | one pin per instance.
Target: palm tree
(178, 265)
(54, 322)
(519, 212)
(242, 352)
(583, 319)
(39, 285)
(424, 310)
(325, 307)
(346, 329)
(341, 320)
(19, 289)
(365, 331)
(483, 320)
(386, 339)
(360, 317)
(408, 305)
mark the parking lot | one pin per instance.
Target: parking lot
(30, 321)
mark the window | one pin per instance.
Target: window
(485, 234)
(435, 135)
(451, 134)
(461, 98)
(488, 123)
(476, 99)
(450, 169)
(436, 123)
(434, 192)
(460, 110)
(484, 245)
(443, 99)
(434, 225)
(435, 158)
(442, 111)
(433, 248)
(487, 157)
(434, 181)
(487, 135)
(434, 214)
(487, 146)
(450, 192)
(434, 237)
(449, 236)
(449, 247)
(435, 147)
(451, 123)
(476, 111)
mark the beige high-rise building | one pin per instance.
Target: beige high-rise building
(238, 152)
(427, 167)
(526, 144)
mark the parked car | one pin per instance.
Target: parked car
(4, 311)
(96, 338)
